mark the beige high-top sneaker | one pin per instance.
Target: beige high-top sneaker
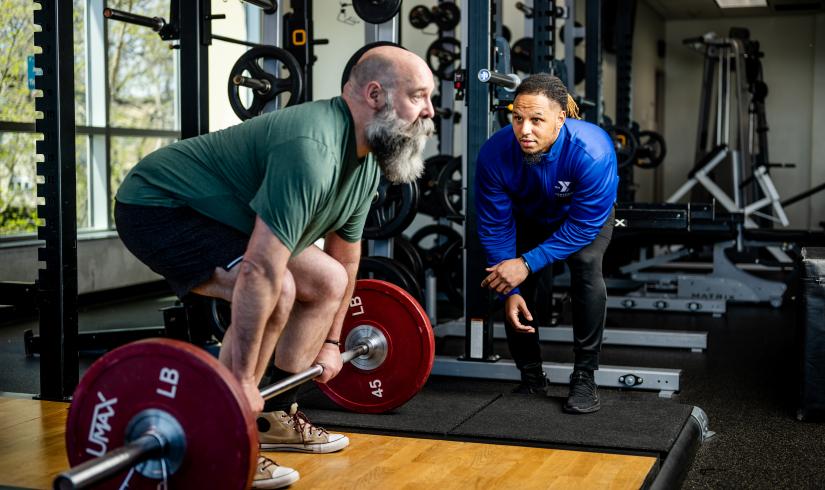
(292, 431)
(270, 474)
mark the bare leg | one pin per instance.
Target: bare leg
(320, 284)
(221, 285)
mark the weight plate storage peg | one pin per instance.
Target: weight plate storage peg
(394, 315)
(176, 385)
(251, 71)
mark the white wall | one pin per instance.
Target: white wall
(101, 264)
(222, 56)
(649, 29)
(791, 44)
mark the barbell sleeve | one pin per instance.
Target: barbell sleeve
(111, 463)
(154, 23)
(313, 372)
(262, 86)
(510, 81)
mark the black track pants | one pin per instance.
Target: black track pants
(588, 293)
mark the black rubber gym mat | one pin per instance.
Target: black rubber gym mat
(432, 411)
(487, 410)
(636, 425)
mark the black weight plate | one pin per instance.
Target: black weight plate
(353, 60)
(387, 269)
(521, 55)
(429, 202)
(392, 210)
(579, 70)
(220, 317)
(447, 16)
(505, 33)
(376, 11)
(451, 272)
(250, 64)
(432, 241)
(420, 16)
(405, 253)
(651, 151)
(625, 144)
(444, 57)
(450, 190)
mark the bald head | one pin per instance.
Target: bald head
(390, 66)
(388, 94)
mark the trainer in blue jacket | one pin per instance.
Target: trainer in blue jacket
(545, 189)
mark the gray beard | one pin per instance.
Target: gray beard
(532, 158)
(398, 146)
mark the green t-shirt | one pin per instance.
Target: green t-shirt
(296, 168)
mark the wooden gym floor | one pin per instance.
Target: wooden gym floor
(32, 453)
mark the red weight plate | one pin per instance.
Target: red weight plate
(410, 350)
(186, 382)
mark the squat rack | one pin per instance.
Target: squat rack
(56, 287)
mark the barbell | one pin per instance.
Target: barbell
(164, 412)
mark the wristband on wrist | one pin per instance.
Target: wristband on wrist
(333, 342)
(529, 270)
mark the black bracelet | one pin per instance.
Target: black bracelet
(333, 342)
(529, 270)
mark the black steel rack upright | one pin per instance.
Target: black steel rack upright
(57, 281)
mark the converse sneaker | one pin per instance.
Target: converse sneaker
(282, 431)
(583, 397)
(270, 474)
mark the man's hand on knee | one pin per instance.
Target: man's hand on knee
(330, 358)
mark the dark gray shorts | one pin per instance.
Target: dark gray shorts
(180, 244)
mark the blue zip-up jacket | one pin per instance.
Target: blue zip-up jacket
(575, 184)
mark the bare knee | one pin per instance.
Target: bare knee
(330, 285)
(283, 307)
(338, 280)
(287, 297)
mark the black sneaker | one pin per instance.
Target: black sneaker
(533, 380)
(583, 397)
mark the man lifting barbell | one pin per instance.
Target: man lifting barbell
(263, 192)
(139, 417)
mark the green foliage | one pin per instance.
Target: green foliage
(17, 39)
(141, 70)
(18, 220)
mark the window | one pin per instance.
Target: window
(125, 107)
(142, 78)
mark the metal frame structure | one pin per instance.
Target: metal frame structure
(670, 339)
(59, 341)
(57, 281)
